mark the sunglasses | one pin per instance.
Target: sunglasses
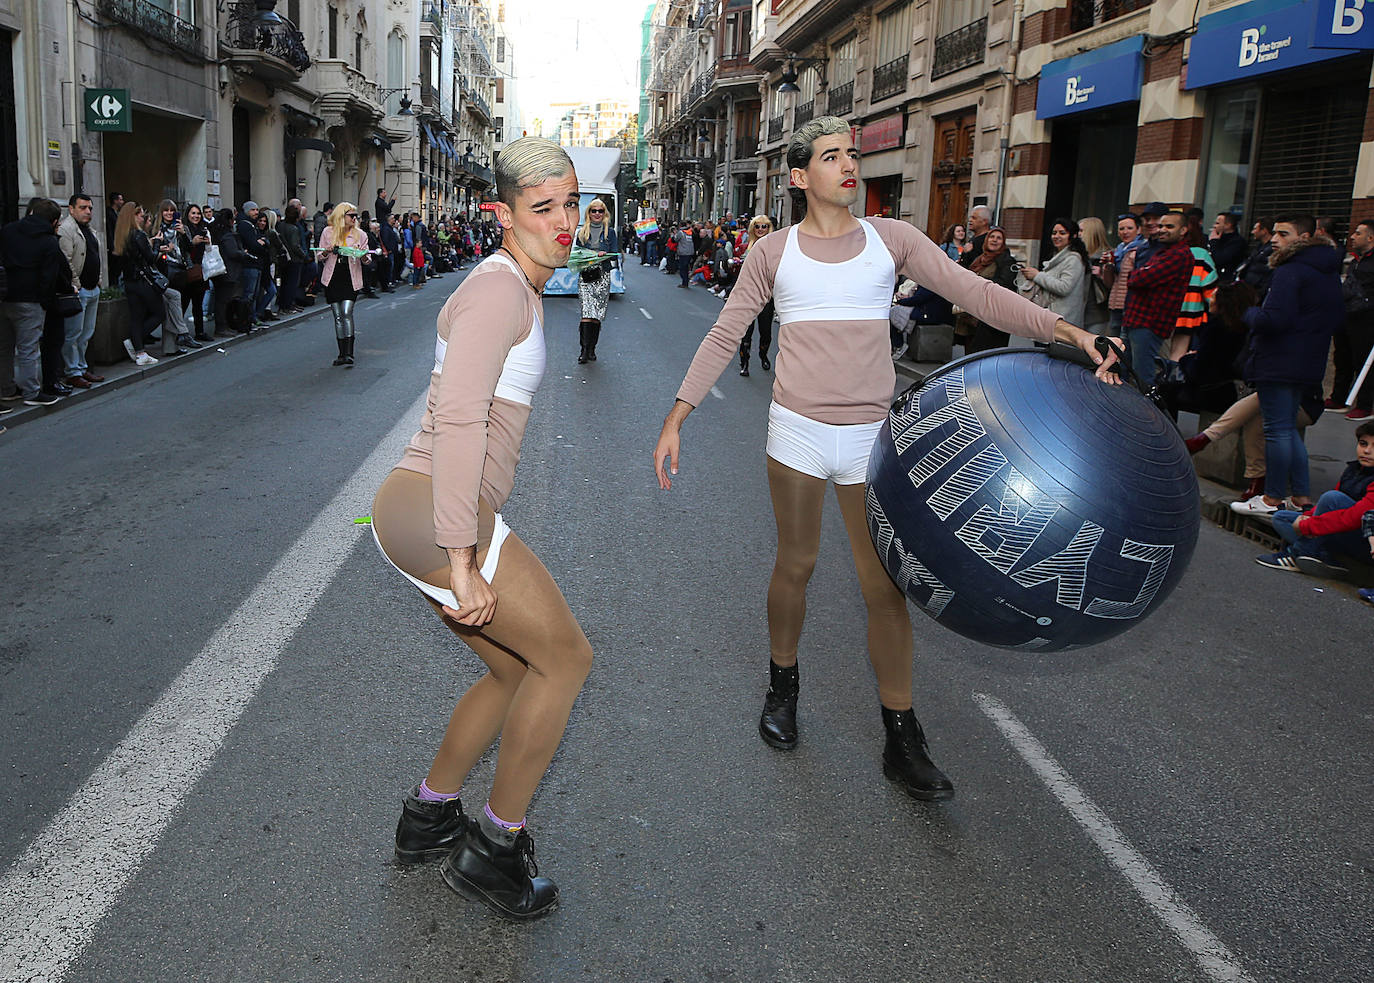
(1129, 215)
(596, 211)
(351, 215)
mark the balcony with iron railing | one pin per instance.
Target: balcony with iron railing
(154, 22)
(273, 52)
(1084, 14)
(433, 14)
(889, 79)
(774, 129)
(960, 49)
(804, 112)
(746, 146)
(700, 86)
(840, 99)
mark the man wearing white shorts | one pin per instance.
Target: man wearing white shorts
(831, 278)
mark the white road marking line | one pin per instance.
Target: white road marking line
(72, 874)
(717, 393)
(646, 314)
(1209, 951)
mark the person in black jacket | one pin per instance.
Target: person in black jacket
(232, 313)
(382, 206)
(1355, 339)
(1227, 246)
(1256, 270)
(259, 257)
(391, 250)
(193, 238)
(34, 266)
(138, 256)
(292, 238)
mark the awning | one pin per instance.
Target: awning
(309, 143)
(1102, 77)
(1265, 36)
(429, 135)
(448, 145)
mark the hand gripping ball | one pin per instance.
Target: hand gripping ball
(1022, 503)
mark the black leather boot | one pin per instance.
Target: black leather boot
(428, 830)
(343, 357)
(504, 878)
(906, 758)
(593, 336)
(348, 351)
(582, 339)
(778, 724)
(744, 359)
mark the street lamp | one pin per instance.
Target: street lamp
(787, 82)
(405, 104)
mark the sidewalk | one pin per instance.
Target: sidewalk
(125, 373)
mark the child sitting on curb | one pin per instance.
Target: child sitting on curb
(1333, 528)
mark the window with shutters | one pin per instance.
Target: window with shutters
(893, 51)
(840, 97)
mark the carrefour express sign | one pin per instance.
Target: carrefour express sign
(1273, 35)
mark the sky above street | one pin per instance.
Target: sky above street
(567, 51)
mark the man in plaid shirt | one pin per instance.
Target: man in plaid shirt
(1154, 295)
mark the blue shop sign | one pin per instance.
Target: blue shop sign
(1258, 38)
(1343, 24)
(1105, 76)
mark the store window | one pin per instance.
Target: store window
(1232, 114)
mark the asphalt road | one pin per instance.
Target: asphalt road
(1188, 802)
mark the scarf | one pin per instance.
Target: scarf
(987, 257)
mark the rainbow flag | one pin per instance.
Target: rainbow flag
(646, 228)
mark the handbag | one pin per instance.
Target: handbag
(195, 274)
(154, 279)
(1099, 290)
(212, 263)
(593, 274)
(66, 304)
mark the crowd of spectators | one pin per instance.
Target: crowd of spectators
(188, 273)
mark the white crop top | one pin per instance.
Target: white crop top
(859, 289)
(523, 369)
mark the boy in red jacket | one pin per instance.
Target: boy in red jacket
(1332, 528)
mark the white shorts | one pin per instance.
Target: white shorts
(499, 532)
(838, 452)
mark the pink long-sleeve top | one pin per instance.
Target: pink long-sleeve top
(469, 439)
(356, 238)
(840, 372)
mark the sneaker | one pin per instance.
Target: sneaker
(1331, 404)
(143, 358)
(899, 351)
(129, 347)
(1315, 566)
(1254, 506)
(1197, 442)
(5, 410)
(1366, 594)
(40, 399)
(1359, 415)
(1278, 561)
(13, 397)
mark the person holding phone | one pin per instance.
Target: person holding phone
(193, 237)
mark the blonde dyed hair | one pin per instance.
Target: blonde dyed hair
(338, 221)
(527, 162)
(584, 234)
(1094, 236)
(163, 205)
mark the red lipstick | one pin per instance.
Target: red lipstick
(564, 239)
(849, 183)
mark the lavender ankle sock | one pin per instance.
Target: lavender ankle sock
(499, 830)
(427, 794)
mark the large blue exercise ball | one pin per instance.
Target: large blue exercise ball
(1021, 502)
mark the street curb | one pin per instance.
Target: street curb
(26, 414)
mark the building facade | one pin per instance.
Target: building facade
(209, 101)
(1036, 108)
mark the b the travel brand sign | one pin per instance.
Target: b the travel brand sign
(1273, 35)
(1343, 24)
(1095, 79)
(884, 134)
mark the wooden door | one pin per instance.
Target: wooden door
(951, 173)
